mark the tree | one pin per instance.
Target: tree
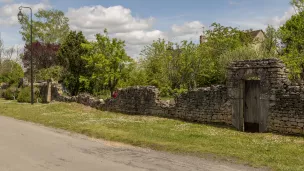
(221, 39)
(8, 53)
(298, 5)
(134, 75)
(51, 27)
(155, 61)
(172, 66)
(106, 59)
(269, 45)
(54, 72)
(242, 53)
(44, 55)
(187, 65)
(292, 37)
(10, 72)
(1, 50)
(69, 56)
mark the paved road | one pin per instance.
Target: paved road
(29, 147)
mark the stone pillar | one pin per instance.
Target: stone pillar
(49, 91)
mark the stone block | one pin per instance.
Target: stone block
(301, 125)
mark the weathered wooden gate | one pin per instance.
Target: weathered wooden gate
(252, 109)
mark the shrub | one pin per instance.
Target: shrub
(54, 72)
(1, 93)
(24, 95)
(10, 72)
(242, 53)
(177, 92)
(165, 91)
(11, 93)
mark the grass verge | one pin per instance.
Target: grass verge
(275, 151)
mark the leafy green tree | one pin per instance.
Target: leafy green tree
(107, 60)
(10, 72)
(155, 61)
(189, 65)
(135, 75)
(221, 39)
(51, 26)
(242, 53)
(54, 72)
(298, 5)
(270, 44)
(172, 65)
(69, 56)
(292, 37)
(1, 50)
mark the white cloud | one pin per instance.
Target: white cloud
(136, 40)
(278, 21)
(119, 22)
(187, 28)
(140, 37)
(116, 19)
(8, 12)
(187, 31)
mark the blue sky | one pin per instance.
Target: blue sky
(139, 22)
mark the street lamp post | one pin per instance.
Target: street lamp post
(20, 17)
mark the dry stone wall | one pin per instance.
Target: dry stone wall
(208, 104)
(137, 100)
(282, 104)
(204, 105)
(287, 112)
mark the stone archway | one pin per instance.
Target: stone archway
(271, 75)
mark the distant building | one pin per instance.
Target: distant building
(258, 38)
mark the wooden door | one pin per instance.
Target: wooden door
(252, 106)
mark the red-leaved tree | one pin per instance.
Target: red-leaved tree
(44, 55)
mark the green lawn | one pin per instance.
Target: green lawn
(275, 151)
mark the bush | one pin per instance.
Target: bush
(54, 72)
(165, 92)
(242, 53)
(1, 93)
(11, 93)
(24, 95)
(177, 92)
(10, 72)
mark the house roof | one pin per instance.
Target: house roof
(254, 33)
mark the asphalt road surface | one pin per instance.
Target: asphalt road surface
(30, 147)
